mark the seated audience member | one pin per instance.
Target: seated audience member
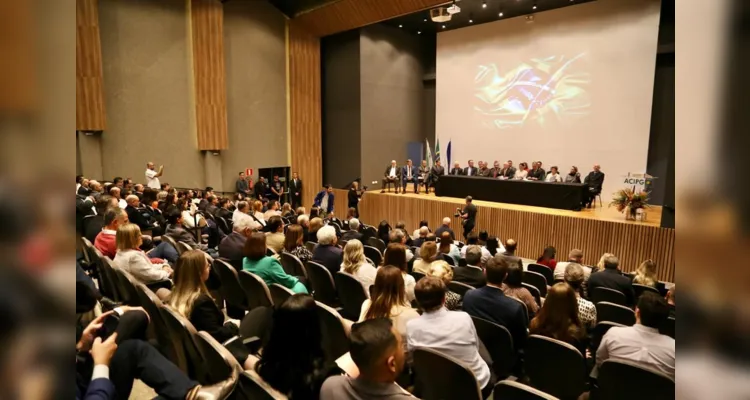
(177, 232)
(95, 224)
(273, 210)
(134, 215)
(548, 258)
(646, 274)
(402, 226)
(473, 240)
(641, 343)
(611, 277)
(671, 300)
(384, 230)
(513, 287)
(376, 347)
(190, 216)
(275, 236)
(315, 225)
(116, 192)
(600, 265)
(300, 211)
(422, 224)
(573, 176)
(494, 246)
(553, 175)
(449, 332)
(293, 360)
(351, 213)
(428, 254)
(399, 237)
(574, 277)
(213, 205)
(241, 210)
(472, 274)
(397, 258)
(447, 247)
(482, 238)
(353, 232)
(510, 248)
(355, 264)
(224, 212)
(421, 236)
(490, 303)
(267, 268)
(105, 240)
(441, 269)
(257, 212)
(315, 212)
(131, 259)
(445, 227)
(231, 247)
(558, 318)
(388, 300)
(304, 221)
(107, 369)
(286, 210)
(326, 252)
(191, 299)
(294, 243)
(575, 256)
(522, 172)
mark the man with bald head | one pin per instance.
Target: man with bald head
(457, 170)
(135, 216)
(445, 227)
(595, 180)
(152, 176)
(115, 191)
(392, 175)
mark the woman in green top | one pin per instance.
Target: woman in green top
(267, 268)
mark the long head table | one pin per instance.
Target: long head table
(566, 196)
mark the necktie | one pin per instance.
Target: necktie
(494, 174)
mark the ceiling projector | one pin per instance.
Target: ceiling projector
(440, 14)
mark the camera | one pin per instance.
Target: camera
(458, 212)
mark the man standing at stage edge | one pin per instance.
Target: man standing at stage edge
(469, 216)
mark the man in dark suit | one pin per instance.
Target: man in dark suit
(472, 274)
(231, 246)
(419, 241)
(409, 174)
(457, 170)
(491, 304)
(392, 175)
(295, 191)
(483, 170)
(611, 277)
(445, 227)
(470, 170)
(496, 172)
(509, 171)
(595, 180)
(134, 215)
(353, 232)
(436, 172)
(326, 253)
(536, 173)
(260, 188)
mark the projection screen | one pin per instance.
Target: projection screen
(574, 87)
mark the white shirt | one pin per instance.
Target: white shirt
(137, 264)
(639, 344)
(559, 273)
(451, 333)
(324, 203)
(191, 220)
(408, 171)
(468, 171)
(260, 217)
(122, 203)
(520, 174)
(485, 253)
(271, 213)
(393, 172)
(151, 180)
(553, 178)
(365, 275)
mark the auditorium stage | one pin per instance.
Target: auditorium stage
(595, 231)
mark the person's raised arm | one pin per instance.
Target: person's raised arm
(161, 171)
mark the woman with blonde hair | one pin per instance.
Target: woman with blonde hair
(646, 274)
(286, 210)
(600, 264)
(191, 299)
(131, 259)
(428, 253)
(389, 300)
(257, 212)
(356, 264)
(441, 269)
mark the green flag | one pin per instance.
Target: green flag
(437, 149)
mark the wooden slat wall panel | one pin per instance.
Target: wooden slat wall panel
(90, 109)
(632, 243)
(349, 14)
(207, 18)
(305, 110)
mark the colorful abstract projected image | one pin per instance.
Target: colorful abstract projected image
(536, 91)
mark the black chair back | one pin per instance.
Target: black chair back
(608, 295)
(417, 275)
(537, 280)
(524, 307)
(544, 271)
(598, 333)
(221, 366)
(253, 387)
(624, 380)
(640, 289)
(171, 241)
(370, 231)
(324, 290)
(518, 391)
(351, 295)
(462, 262)
(184, 246)
(257, 323)
(190, 360)
(499, 344)
(555, 367)
(606, 311)
(439, 376)
(311, 246)
(255, 289)
(668, 328)
(448, 259)
(373, 254)
(224, 225)
(230, 288)
(335, 341)
(376, 243)
(292, 265)
(534, 292)
(126, 286)
(279, 294)
(107, 280)
(153, 305)
(459, 287)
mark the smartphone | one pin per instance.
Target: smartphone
(109, 326)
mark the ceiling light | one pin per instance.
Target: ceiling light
(500, 14)
(534, 7)
(471, 21)
(400, 26)
(419, 32)
(425, 20)
(443, 26)
(484, 4)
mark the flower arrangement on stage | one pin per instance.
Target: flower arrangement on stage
(628, 200)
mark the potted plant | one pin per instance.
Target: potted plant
(629, 201)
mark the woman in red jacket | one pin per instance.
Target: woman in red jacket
(548, 258)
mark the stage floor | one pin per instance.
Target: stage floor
(603, 213)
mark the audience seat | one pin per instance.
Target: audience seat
(153, 305)
(225, 226)
(499, 344)
(257, 323)
(335, 339)
(351, 294)
(183, 334)
(624, 380)
(598, 333)
(459, 287)
(236, 301)
(462, 262)
(640, 289)
(417, 275)
(255, 289)
(376, 243)
(544, 271)
(439, 376)
(608, 295)
(253, 387)
(534, 292)
(518, 391)
(311, 246)
(537, 280)
(292, 265)
(668, 328)
(606, 311)
(324, 290)
(223, 368)
(525, 309)
(374, 254)
(126, 287)
(279, 294)
(448, 259)
(555, 367)
(171, 241)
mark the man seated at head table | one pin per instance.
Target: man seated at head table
(457, 170)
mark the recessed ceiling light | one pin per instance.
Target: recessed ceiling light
(484, 5)
(471, 21)
(500, 14)
(534, 8)
(419, 32)
(400, 26)
(443, 26)
(425, 20)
